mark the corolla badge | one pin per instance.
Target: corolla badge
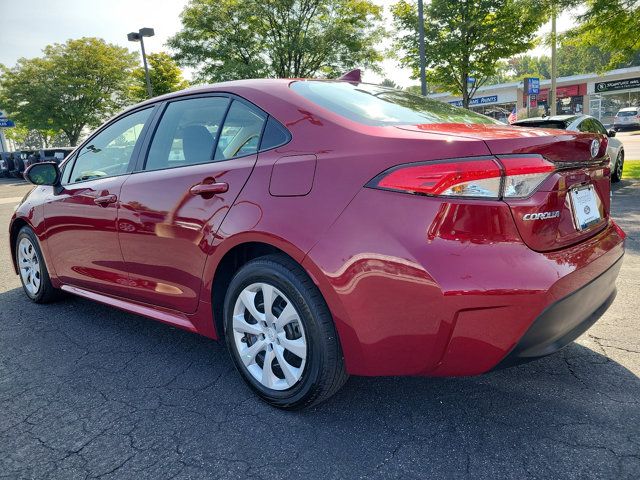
(595, 146)
(541, 215)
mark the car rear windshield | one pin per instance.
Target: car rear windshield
(628, 113)
(375, 105)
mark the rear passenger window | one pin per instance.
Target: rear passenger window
(274, 135)
(241, 132)
(187, 133)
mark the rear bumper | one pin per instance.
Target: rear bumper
(565, 320)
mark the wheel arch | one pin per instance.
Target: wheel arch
(17, 225)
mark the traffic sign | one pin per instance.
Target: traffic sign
(6, 123)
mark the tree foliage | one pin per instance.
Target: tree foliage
(466, 39)
(233, 39)
(73, 86)
(26, 139)
(164, 74)
(612, 26)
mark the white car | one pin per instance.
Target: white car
(627, 118)
(583, 123)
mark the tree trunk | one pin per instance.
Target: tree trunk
(465, 90)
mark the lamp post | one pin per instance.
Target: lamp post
(139, 37)
(423, 77)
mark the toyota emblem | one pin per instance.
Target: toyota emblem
(595, 146)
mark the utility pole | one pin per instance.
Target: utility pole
(554, 72)
(139, 37)
(423, 60)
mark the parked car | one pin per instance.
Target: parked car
(6, 164)
(627, 118)
(584, 123)
(343, 228)
(22, 159)
(55, 154)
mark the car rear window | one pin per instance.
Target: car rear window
(628, 113)
(375, 105)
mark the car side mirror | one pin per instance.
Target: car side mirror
(611, 133)
(45, 173)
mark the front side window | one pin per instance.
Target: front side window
(375, 105)
(187, 133)
(108, 153)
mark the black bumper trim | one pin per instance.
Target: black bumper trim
(565, 320)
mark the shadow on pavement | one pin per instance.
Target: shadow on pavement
(86, 389)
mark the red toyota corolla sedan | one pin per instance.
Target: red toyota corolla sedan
(327, 228)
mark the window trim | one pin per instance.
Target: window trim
(134, 154)
(157, 118)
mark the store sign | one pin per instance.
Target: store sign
(533, 86)
(477, 101)
(618, 85)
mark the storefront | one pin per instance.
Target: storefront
(610, 96)
(600, 95)
(569, 99)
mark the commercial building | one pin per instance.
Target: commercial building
(600, 95)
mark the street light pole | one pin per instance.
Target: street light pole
(554, 73)
(423, 61)
(139, 37)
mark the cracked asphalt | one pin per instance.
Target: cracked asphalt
(87, 391)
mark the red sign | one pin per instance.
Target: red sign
(564, 91)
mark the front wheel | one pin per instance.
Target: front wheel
(616, 175)
(32, 269)
(281, 335)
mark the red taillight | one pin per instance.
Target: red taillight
(509, 176)
(467, 178)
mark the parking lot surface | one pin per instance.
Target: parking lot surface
(631, 142)
(87, 391)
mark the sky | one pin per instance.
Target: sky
(27, 26)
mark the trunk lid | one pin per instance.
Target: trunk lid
(551, 217)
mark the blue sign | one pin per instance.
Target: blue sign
(5, 122)
(533, 86)
(477, 101)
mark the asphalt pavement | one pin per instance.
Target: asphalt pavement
(87, 391)
(631, 142)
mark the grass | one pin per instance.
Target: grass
(631, 169)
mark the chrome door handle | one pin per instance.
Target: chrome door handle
(105, 200)
(209, 188)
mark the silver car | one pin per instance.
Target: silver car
(583, 123)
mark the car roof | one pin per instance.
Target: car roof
(628, 109)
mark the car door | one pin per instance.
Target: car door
(201, 155)
(81, 217)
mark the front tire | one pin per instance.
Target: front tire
(616, 175)
(281, 335)
(32, 269)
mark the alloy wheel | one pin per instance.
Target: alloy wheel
(29, 265)
(269, 336)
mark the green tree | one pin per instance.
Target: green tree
(465, 39)
(26, 139)
(612, 26)
(387, 82)
(233, 39)
(73, 86)
(164, 74)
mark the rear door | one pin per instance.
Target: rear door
(195, 165)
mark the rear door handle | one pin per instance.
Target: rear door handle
(209, 188)
(105, 200)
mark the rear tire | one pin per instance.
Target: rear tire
(274, 313)
(616, 174)
(32, 269)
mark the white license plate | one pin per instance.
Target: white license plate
(585, 206)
